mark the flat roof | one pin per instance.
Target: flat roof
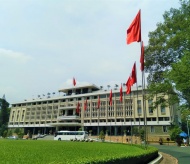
(92, 86)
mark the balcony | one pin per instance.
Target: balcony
(67, 107)
(62, 118)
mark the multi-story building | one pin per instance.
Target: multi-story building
(50, 114)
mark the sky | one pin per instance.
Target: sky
(45, 43)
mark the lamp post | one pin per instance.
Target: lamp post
(188, 118)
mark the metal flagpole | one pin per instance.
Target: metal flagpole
(144, 109)
(131, 119)
(98, 122)
(110, 122)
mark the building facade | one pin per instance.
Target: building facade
(50, 114)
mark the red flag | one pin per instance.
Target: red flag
(128, 85)
(85, 104)
(74, 81)
(111, 97)
(121, 94)
(133, 75)
(142, 57)
(98, 102)
(78, 108)
(134, 30)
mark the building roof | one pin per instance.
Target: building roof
(92, 86)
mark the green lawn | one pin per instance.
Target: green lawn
(55, 152)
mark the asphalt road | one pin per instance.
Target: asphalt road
(181, 153)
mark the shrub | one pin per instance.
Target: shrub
(102, 135)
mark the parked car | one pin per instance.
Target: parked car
(12, 137)
(38, 136)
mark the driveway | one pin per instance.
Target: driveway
(181, 153)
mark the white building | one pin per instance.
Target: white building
(50, 114)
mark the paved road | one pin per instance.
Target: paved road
(181, 153)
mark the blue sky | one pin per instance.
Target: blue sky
(45, 43)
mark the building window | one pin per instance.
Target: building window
(154, 119)
(152, 130)
(139, 108)
(166, 118)
(165, 129)
(163, 109)
(139, 111)
(150, 107)
(160, 119)
(148, 119)
(13, 115)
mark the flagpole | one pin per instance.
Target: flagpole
(98, 122)
(124, 112)
(110, 120)
(144, 104)
(143, 88)
(98, 118)
(137, 96)
(131, 119)
(145, 109)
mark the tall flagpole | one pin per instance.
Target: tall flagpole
(145, 108)
(143, 92)
(98, 121)
(144, 104)
(137, 98)
(131, 119)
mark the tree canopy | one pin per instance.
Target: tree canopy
(166, 55)
(4, 115)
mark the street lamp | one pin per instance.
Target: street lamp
(188, 118)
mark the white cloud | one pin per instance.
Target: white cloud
(62, 39)
(12, 55)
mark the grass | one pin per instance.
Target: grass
(55, 152)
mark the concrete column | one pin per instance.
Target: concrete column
(33, 130)
(115, 130)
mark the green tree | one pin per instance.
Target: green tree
(142, 134)
(135, 131)
(10, 133)
(167, 45)
(180, 77)
(174, 132)
(102, 135)
(4, 111)
(5, 134)
(184, 114)
(4, 115)
(3, 128)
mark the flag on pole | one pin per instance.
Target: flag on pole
(142, 56)
(133, 75)
(98, 102)
(121, 94)
(74, 81)
(134, 30)
(110, 98)
(85, 105)
(128, 85)
(78, 108)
